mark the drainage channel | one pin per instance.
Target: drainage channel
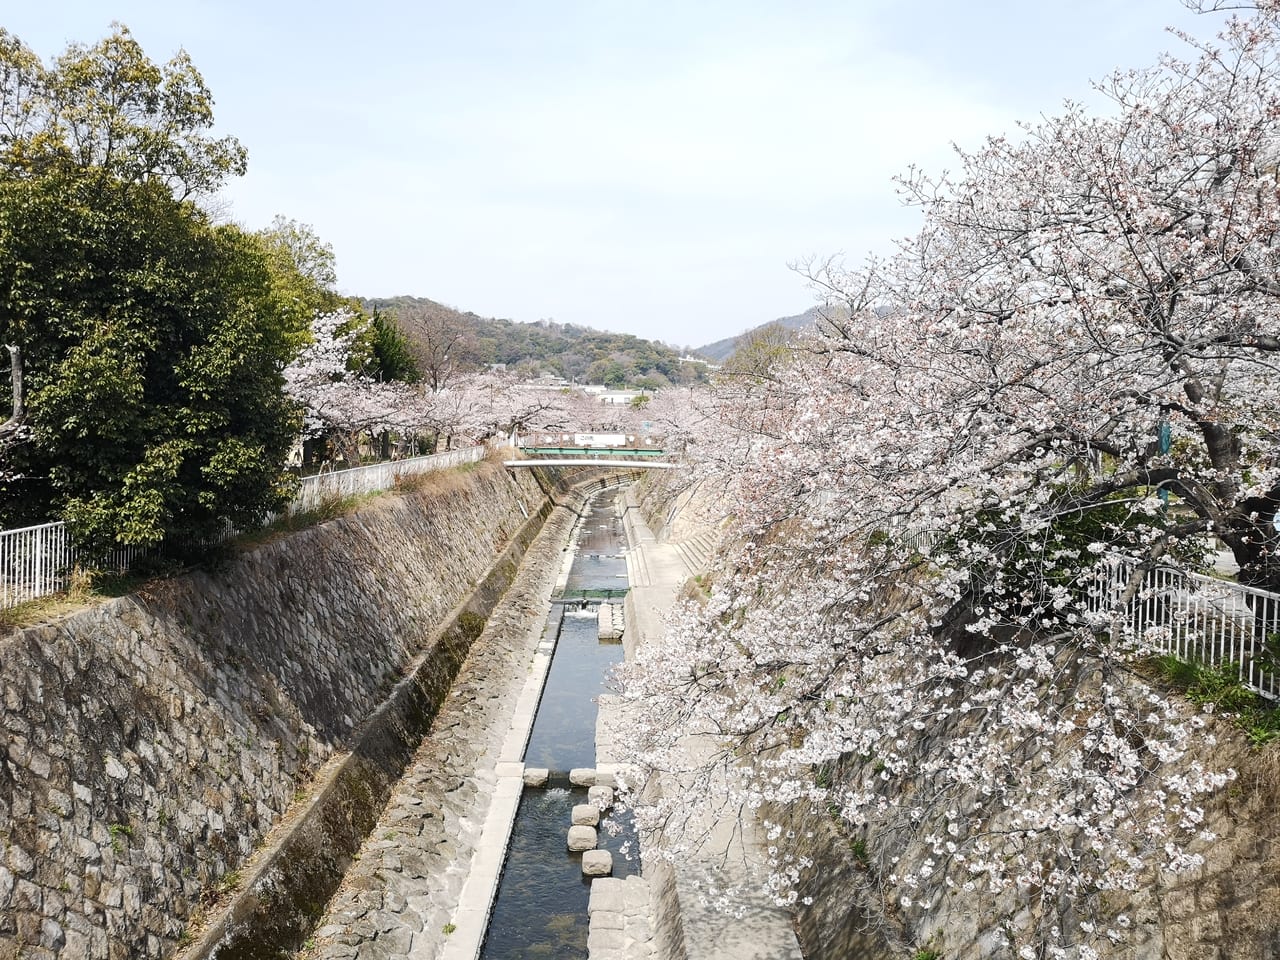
(540, 909)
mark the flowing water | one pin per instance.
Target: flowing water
(541, 906)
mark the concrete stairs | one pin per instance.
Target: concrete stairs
(697, 551)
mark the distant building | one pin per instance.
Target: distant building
(619, 396)
(544, 438)
(605, 395)
(547, 383)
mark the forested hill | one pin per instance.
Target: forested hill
(721, 350)
(543, 347)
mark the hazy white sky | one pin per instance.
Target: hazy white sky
(649, 167)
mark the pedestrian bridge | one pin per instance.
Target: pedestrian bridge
(592, 462)
(643, 458)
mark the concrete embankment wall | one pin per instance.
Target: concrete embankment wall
(152, 742)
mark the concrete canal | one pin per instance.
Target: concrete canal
(541, 905)
(467, 861)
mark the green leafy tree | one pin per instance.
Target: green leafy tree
(391, 353)
(615, 375)
(303, 273)
(152, 341)
(110, 109)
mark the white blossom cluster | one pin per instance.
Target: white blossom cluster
(1073, 361)
(341, 402)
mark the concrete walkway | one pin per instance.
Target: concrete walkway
(685, 929)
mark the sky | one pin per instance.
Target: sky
(652, 168)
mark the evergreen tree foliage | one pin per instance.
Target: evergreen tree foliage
(153, 341)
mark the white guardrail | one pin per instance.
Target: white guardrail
(1217, 622)
(377, 476)
(37, 561)
(1191, 616)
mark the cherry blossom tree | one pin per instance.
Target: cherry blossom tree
(339, 402)
(507, 404)
(680, 416)
(1072, 364)
(347, 405)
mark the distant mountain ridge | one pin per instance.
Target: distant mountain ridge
(721, 350)
(566, 350)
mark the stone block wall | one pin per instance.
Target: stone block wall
(151, 742)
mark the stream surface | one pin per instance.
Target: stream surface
(541, 905)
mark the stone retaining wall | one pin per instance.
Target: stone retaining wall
(1229, 909)
(152, 741)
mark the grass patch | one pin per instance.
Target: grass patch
(86, 588)
(40, 610)
(113, 583)
(1220, 687)
(434, 481)
(330, 508)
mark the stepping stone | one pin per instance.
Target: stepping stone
(535, 776)
(582, 838)
(601, 796)
(582, 776)
(597, 863)
(611, 622)
(586, 814)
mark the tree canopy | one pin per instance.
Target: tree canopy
(108, 108)
(930, 495)
(303, 273)
(153, 341)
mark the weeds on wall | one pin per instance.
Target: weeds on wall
(1220, 688)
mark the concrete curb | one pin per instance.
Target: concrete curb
(471, 918)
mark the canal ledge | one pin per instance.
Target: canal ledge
(677, 925)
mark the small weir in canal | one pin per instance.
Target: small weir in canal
(540, 909)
